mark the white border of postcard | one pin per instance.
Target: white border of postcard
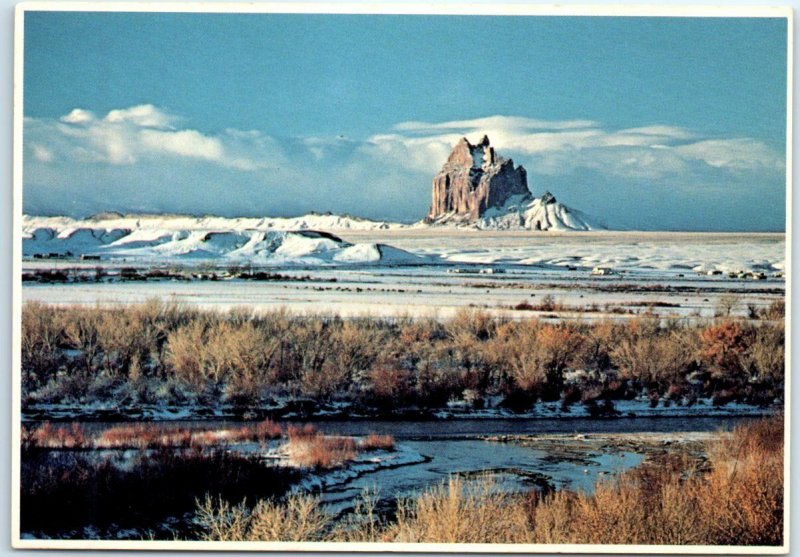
(395, 9)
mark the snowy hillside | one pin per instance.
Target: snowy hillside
(111, 221)
(305, 240)
(540, 213)
(526, 213)
(170, 238)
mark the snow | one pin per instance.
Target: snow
(152, 239)
(359, 253)
(650, 252)
(183, 235)
(297, 246)
(363, 463)
(521, 211)
(640, 408)
(310, 221)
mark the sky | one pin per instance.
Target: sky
(644, 123)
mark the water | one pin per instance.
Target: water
(454, 447)
(564, 456)
(438, 429)
(513, 467)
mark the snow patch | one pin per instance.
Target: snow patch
(257, 241)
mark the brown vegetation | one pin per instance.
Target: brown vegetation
(309, 448)
(168, 354)
(739, 502)
(143, 436)
(52, 436)
(299, 519)
(375, 442)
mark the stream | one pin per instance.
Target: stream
(442, 448)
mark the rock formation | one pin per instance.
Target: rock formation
(474, 179)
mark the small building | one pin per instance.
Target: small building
(602, 271)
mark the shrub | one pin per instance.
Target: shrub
(776, 311)
(81, 334)
(727, 303)
(185, 352)
(460, 512)
(722, 346)
(143, 436)
(373, 442)
(471, 324)
(660, 358)
(765, 357)
(739, 502)
(300, 518)
(167, 354)
(58, 437)
(388, 384)
(41, 355)
(266, 429)
(309, 448)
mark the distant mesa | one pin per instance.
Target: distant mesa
(478, 188)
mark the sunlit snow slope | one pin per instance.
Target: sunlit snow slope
(527, 213)
(154, 238)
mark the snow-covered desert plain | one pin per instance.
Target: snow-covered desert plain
(326, 263)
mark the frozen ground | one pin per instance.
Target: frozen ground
(667, 253)
(332, 240)
(438, 272)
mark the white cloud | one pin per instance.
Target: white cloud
(78, 116)
(125, 136)
(409, 153)
(475, 125)
(559, 147)
(738, 154)
(41, 154)
(154, 159)
(128, 135)
(661, 131)
(144, 115)
(184, 143)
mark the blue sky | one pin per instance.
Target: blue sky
(652, 123)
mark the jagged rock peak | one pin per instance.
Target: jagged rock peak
(474, 179)
(548, 198)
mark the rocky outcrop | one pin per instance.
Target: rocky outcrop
(474, 179)
(477, 188)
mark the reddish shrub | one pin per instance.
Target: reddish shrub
(373, 442)
(722, 345)
(143, 436)
(390, 383)
(59, 437)
(266, 430)
(318, 451)
(304, 432)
